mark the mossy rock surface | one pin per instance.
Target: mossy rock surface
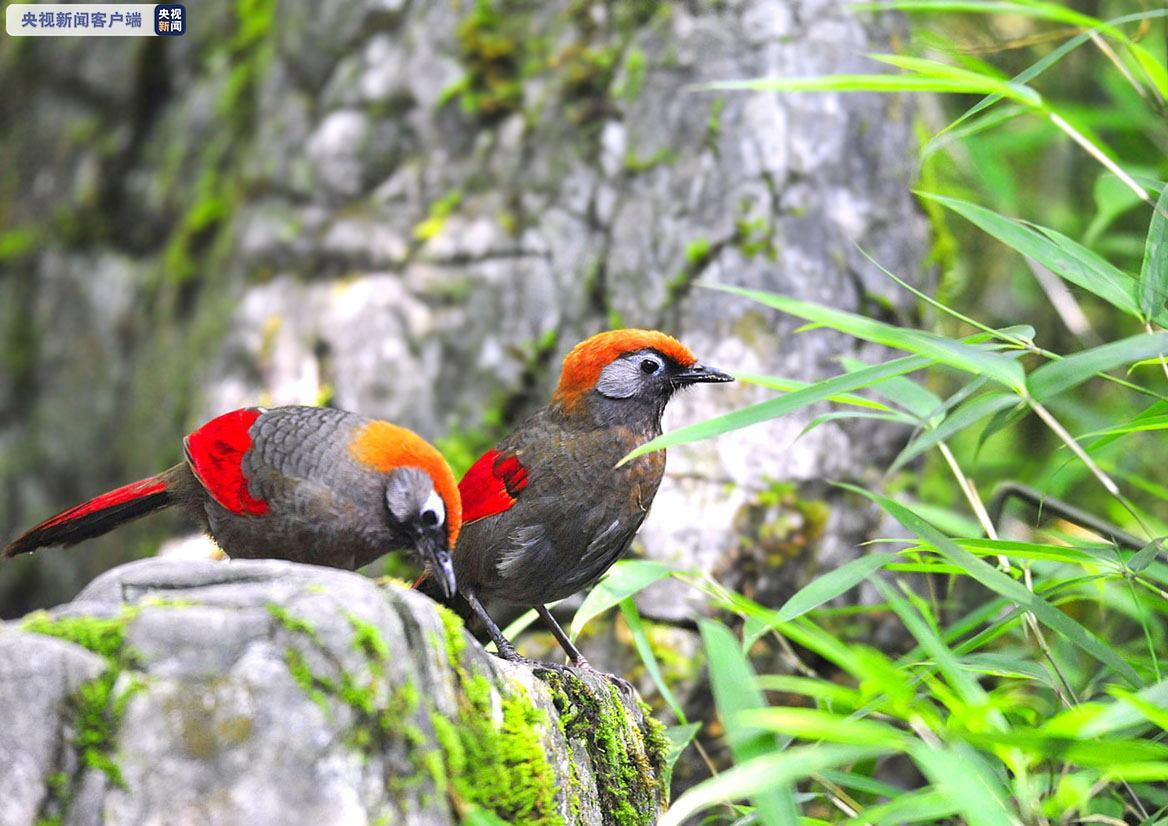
(268, 692)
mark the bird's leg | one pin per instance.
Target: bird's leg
(506, 649)
(574, 655)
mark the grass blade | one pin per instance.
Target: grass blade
(641, 641)
(963, 776)
(813, 724)
(623, 580)
(945, 660)
(762, 773)
(735, 690)
(679, 739)
(956, 354)
(772, 408)
(963, 417)
(999, 583)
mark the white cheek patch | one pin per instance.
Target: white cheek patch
(434, 503)
(619, 380)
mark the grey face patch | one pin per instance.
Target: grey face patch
(406, 491)
(630, 374)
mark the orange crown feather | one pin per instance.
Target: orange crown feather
(584, 363)
(385, 447)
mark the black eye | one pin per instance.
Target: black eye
(650, 366)
(429, 518)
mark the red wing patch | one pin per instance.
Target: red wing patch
(215, 453)
(491, 485)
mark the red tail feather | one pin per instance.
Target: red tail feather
(95, 517)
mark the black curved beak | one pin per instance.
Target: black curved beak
(700, 374)
(440, 561)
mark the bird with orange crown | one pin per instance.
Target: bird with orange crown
(306, 484)
(548, 510)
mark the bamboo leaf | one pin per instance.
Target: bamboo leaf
(946, 661)
(648, 658)
(1066, 259)
(962, 775)
(790, 385)
(957, 354)
(1146, 555)
(1153, 283)
(960, 419)
(679, 739)
(872, 83)
(1057, 377)
(1142, 424)
(812, 724)
(827, 587)
(999, 583)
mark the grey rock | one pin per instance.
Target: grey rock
(273, 693)
(37, 676)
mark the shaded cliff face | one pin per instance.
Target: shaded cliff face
(413, 210)
(274, 693)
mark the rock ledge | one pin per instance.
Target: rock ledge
(272, 693)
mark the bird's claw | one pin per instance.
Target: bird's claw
(507, 652)
(511, 655)
(621, 683)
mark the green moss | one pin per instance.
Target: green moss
(462, 446)
(628, 762)
(19, 242)
(657, 744)
(714, 123)
(440, 210)
(105, 636)
(496, 49)
(632, 76)
(755, 236)
(454, 638)
(201, 236)
(367, 639)
(495, 765)
(587, 73)
(295, 624)
(636, 164)
(382, 714)
(781, 523)
(697, 252)
(314, 688)
(698, 255)
(97, 706)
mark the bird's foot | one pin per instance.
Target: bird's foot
(537, 666)
(507, 652)
(624, 685)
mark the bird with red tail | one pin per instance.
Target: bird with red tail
(547, 511)
(307, 484)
